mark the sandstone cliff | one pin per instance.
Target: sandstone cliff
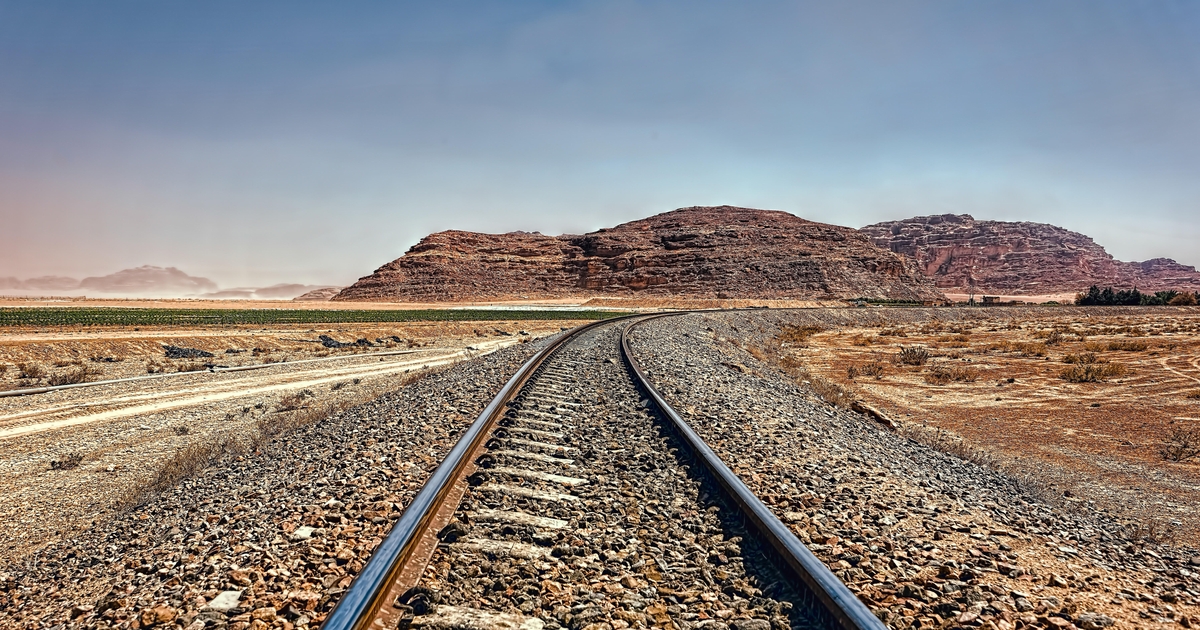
(707, 252)
(1019, 258)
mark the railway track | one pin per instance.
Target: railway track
(580, 499)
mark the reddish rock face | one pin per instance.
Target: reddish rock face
(708, 252)
(1020, 258)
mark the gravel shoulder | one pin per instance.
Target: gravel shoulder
(285, 527)
(925, 538)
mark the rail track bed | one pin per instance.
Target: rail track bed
(584, 509)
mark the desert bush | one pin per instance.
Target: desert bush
(71, 377)
(873, 368)
(861, 340)
(1128, 345)
(1082, 358)
(182, 430)
(31, 371)
(1181, 445)
(1025, 348)
(72, 460)
(943, 374)
(893, 332)
(1183, 299)
(912, 355)
(1055, 337)
(1195, 395)
(1092, 372)
(294, 401)
(794, 334)
(194, 366)
(3, 369)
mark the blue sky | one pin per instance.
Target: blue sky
(255, 143)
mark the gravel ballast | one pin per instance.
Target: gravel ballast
(924, 538)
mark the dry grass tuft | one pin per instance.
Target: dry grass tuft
(31, 371)
(893, 332)
(943, 374)
(1193, 395)
(861, 340)
(71, 377)
(872, 368)
(1093, 372)
(1083, 358)
(796, 335)
(294, 401)
(912, 355)
(1128, 345)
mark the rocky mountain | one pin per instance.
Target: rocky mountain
(1020, 258)
(723, 252)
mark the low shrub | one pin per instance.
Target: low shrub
(3, 369)
(861, 340)
(1092, 372)
(195, 366)
(794, 334)
(1181, 445)
(912, 355)
(1083, 358)
(1128, 345)
(72, 460)
(943, 374)
(1193, 395)
(874, 368)
(893, 332)
(70, 377)
(31, 371)
(1183, 299)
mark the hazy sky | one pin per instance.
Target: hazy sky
(255, 143)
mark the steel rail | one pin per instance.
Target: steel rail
(363, 601)
(832, 594)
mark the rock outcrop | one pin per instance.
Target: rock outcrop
(1020, 258)
(709, 252)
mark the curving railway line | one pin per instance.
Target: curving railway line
(579, 498)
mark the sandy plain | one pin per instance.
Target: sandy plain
(996, 387)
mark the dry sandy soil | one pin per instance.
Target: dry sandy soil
(118, 437)
(996, 382)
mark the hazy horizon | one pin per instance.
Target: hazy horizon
(289, 143)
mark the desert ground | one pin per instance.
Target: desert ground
(71, 457)
(1100, 406)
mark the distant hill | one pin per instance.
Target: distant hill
(148, 279)
(722, 252)
(1020, 258)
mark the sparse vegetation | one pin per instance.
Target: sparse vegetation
(1082, 358)
(1092, 372)
(1193, 395)
(191, 366)
(71, 460)
(294, 401)
(182, 429)
(796, 335)
(1181, 445)
(71, 377)
(861, 340)
(912, 355)
(1128, 345)
(942, 374)
(31, 371)
(872, 368)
